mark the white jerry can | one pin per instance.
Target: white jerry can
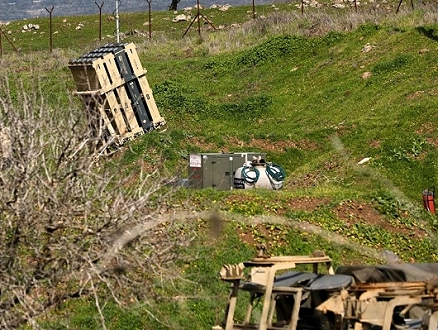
(259, 174)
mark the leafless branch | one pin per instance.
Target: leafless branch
(69, 226)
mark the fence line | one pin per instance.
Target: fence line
(70, 38)
(28, 9)
(17, 33)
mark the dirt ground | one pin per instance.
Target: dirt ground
(350, 212)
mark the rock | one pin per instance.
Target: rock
(134, 33)
(310, 3)
(367, 48)
(224, 7)
(180, 18)
(363, 161)
(366, 75)
(30, 27)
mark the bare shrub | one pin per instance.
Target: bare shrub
(65, 219)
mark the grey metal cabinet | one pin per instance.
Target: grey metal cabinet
(216, 170)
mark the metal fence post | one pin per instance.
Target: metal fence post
(50, 28)
(150, 18)
(100, 19)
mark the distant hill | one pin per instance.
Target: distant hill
(21, 9)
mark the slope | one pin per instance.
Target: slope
(317, 104)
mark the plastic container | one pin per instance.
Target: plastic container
(429, 199)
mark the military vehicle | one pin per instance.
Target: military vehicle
(304, 292)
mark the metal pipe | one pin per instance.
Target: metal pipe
(117, 21)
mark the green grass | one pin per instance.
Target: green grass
(293, 89)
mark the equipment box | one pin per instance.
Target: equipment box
(217, 170)
(115, 93)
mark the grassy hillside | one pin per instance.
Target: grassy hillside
(318, 93)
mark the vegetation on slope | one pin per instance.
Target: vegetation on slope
(318, 93)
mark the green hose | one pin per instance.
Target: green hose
(275, 172)
(246, 171)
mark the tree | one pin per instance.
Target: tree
(174, 5)
(66, 217)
